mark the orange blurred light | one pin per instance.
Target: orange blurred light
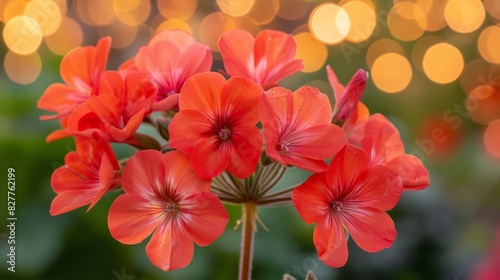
(329, 23)
(435, 15)
(264, 11)
(132, 14)
(179, 9)
(477, 73)
(421, 47)
(212, 26)
(492, 138)
(464, 16)
(381, 47)
(406, 21)
(293, 9)
(443, 63)
(489, 44)
(391, 72)
(94, 12)
(46, 13)
(362, 18)
(493, 8)
(68, 36)
(235, 8)
(483, 104)
(23, 69)
(13, 9)
(311, 51)
(122, 35)
(22, 35)
(173, 24)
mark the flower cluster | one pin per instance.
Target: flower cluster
(223, 140)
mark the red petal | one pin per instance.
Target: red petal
(204, 217)
(70, 200)
(237, 50)
(345, 167)
(210, 158)
(180, 37)
(330, 241)
(144, 171)
(351, 96)
(62, 99)
(107, 176)
(317, 142)
(170, 247)
(312, 198)
(187, 129)
(311, 165)
(132, 218)
(180, 178)
(337, 87)
(244, 151)
(195, 58)
(412, 171)
(371, 230)
(239, 101)
(168, 103)
(276, 108)
(311, 108)
(56, 135)
(202, 92)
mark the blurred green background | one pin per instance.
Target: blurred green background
(444, 231)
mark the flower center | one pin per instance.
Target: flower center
(336, 205)
(282, 146)
(171, 207)
(225, 134)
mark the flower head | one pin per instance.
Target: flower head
(216, 125)
(266, 59)
(81, 70)
(165, 198)
(86, 176)
(350, 194)
(297, 127)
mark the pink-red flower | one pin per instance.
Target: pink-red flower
(216, 125)
(266, 59)
(170, 58)
(381, 140)
(297, 127)
(350, 195)
(86, 176)
(81, 70)
(118, 109)
(164, 197)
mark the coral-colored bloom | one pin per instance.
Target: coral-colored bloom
(87, 175)
(297, 127)
(266, 59)
(81, 70)
(347, 99)
(164, 196)
(216, 125)
(170, 58)
(118, 110)
(381, 140)
(354, 195)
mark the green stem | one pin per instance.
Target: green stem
(247, 238)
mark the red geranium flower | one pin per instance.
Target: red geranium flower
(266, 59)
(170, 58)
(81, 70)
(354, 195)
(164, 196)
(297, 127)
(381, 140)
(216, 125)
(87, 175)
(118, 110)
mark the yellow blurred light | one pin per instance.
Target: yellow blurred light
(122, 35)
(493, 8)
(406, 21)
(125, 6)
(491, 138)
(46, 13)
(435, 15)
(443, 63)
(425, 5)
(362, 18)
(247, 23)
(132, 16)
(421, 47)
(63, 7)
(22, 35)
(13, 9)
(264, 11)
(381, 47)
(391, 72)
(173, 24)
(179, 9)
(311, 51)
(94, 12)
(489, 44)
(212, 26)
(329, 23)
(293, 9)
(235, 8)
(464, 16)
(68, 36)
(23, 69)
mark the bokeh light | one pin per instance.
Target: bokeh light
(264, 11)
(420, 48)
(173, 24)
(122, 35)
(311, 51)
(362, 18)
(406, 21)
(179, 9)
(443, 63)
(329, 23)
(489, 44)
(46, 13)
(22, 35)
(435, 14)
(483, 104)
(380, 47)
(491, 138)
(235, 8)
(476, 73)
(22, 69)
(391, 72)
(493, 8)
(14, 8)
(464, 16)
(68, 36)
(212, 26)
(445, 135)
(94, 12)
(132, 14)
(293, 9)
